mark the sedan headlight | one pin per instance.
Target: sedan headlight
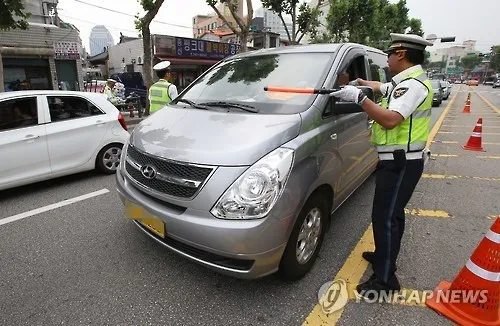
(257, 190)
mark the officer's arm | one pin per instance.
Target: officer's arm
(375, 85)
(386, 118)
(172, 92)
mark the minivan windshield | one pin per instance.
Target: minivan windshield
(242, 81)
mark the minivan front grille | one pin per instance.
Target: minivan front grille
(173, 178)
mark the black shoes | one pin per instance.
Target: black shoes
(369, 256)
(375, 288)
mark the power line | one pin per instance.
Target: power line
(93, 23)
(130, 15)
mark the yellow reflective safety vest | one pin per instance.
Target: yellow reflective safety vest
(411, 134)
(158, 95)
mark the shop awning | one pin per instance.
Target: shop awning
(186, 61)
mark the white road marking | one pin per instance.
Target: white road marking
(52, 206)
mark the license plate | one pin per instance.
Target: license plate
(146, 219)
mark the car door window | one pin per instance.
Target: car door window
(18, 113)
(379, 70)
(69, 107)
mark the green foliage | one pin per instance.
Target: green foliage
(13, 15)
(369, 22)
(470, 61)
(495, 58)
(415, 27)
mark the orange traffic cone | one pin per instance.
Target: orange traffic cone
(475, 292)
(467, 105)
(474, 143)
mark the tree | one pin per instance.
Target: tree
(142, 24)
(306, 22)
(495, 58)
(470, 61)
(242, 29)
(415, 27)
(369, 22)
(13, 15)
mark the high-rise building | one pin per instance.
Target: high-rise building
(273, 22)
(100, 39)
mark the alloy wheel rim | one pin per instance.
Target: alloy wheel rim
(111, 158)
(308, 238)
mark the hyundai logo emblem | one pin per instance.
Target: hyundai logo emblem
(148, 172)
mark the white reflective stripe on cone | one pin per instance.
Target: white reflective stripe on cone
(493, 236)
(484, 274)
(476, 134)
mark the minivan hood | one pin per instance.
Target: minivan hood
(213, 138)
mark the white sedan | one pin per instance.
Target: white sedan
(48, 134)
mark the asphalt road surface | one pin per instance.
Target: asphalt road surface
(76, 260)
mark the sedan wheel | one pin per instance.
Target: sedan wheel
(108, 158)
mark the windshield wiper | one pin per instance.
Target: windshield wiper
(194, 105)
(223, 104)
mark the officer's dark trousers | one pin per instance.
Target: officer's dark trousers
(393, 190)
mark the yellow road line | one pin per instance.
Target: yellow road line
(455, 155)
(351, 272)
(488, 102)
(455, 142)
(438, 124)
(426, 213)
(471, 127)
(442, 176)
(462, 132)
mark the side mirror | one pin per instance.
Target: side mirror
(350, 107)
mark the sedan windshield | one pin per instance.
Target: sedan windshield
(242, 81)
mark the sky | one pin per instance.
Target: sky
(464, 19)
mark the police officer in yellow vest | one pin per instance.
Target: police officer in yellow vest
(109, 92)
(399, 134)
(163, 91)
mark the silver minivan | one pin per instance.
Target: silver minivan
(244, 180)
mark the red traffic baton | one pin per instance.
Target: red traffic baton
(304, 90)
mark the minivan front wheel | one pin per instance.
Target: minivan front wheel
(305, 241)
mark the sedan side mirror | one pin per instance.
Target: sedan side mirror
(351, 107)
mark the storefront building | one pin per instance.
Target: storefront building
(190, 57)
(43, 57)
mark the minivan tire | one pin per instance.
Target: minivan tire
(290, 268)
(104, 153)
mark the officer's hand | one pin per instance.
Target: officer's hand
(350, 94)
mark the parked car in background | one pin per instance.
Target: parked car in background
(48, 134)
(446, 88)
(437, 98)
(496, 83)
(489, 80)
(472, 82)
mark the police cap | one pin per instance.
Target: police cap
(111, 81)
(407, 41)
(161, 65)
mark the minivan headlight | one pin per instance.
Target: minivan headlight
(256, 191)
